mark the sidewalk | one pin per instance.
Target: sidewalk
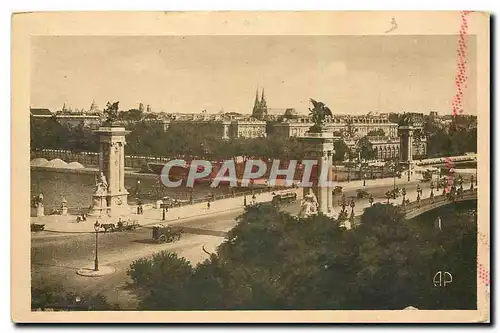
(152, 216)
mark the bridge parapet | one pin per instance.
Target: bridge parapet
(416, 208)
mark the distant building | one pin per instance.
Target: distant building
(247, 128)
(224, 128)
(259, 107)
(353, 127)
(357, 126)
(40, 113)
(79, 119)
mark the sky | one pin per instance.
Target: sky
(351, 74)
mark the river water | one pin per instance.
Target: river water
(77, 189)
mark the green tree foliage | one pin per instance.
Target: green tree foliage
(50, 134)
(366, 148)
(52, 297)
(457, 138)
(272, 260)
(162, 281)
(341, 149)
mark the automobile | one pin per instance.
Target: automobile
(337, 190)
(37, 227)
(362, 194)
(166, 234)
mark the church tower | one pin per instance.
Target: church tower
(260, 107)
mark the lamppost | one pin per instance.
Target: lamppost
(388, 196)
(394, 169)
(403, 193)
(342, 204)
(96, 261)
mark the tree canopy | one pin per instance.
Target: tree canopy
(272, 260)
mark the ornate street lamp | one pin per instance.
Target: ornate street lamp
(388, 196)
(403, 193)
(96, 261)
(342, 204)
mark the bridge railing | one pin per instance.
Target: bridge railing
(436, 199)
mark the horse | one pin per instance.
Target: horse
(108, 226)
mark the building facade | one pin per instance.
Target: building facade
(382, 133)
(222, 128)
(357, 126)
(247, 128)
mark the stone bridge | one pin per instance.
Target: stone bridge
(415, 208)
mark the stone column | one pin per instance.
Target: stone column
(319, 146)
(406, 148)
(112, 165)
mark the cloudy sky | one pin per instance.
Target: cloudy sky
(351, 74)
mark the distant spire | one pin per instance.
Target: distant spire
(64, 107)
(263, 99)
(257, 96)
(93, 106)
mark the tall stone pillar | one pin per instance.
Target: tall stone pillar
(405, 133)
(319, 146)
(110, 197)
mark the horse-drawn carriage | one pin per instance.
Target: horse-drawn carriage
(120, 226)
(127, 226)
(166, 234)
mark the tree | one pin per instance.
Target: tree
(52, 297)
(366, 148)
(273, 260)
(340, 150)
(161, 282)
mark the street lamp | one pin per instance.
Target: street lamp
(96, 261)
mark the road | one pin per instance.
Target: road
(55, 257)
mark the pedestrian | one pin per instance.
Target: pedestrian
(208, 205)
(245, 201)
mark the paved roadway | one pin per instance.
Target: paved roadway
(56, 257)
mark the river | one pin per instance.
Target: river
(77, 189)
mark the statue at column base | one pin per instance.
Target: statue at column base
(308, 205)
(40, 210)
(37, 203)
